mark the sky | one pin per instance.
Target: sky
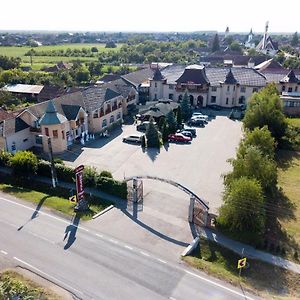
(151, 15)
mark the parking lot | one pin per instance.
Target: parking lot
(198, 165)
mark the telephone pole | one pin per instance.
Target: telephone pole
(53, 171)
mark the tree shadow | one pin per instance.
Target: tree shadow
(286, 158)
(153, 153)
(166, 146)
(35, 214)
(70, 232)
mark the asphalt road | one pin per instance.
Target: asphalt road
(95, 266)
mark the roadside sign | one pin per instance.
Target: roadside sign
(73, 199)
(79, 182)
(242, 263)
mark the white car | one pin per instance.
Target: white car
(200, 115)
(132, 139)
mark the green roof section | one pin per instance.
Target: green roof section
(51, 116)
(20, 125)
(70, 111)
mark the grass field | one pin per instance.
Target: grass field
(294, 121)
(42, 61)
(13, 281)
(267, 280)
(58, 204)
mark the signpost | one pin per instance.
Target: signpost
(81, 202)
(242, 263)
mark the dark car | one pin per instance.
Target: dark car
(186, 133)
(215, 107)
(191, 130)
(196, 123)
(179, 138)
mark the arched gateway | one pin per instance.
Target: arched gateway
(198, 209)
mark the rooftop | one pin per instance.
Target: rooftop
(23, 88)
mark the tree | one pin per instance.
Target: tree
(260, 138)
(265, 109)
(94, 49)
(215, 44)
(82, 75)
(24, 163)
(110, 44)
(172, 124)
(243, 208)
(143, 141)
(185, 105)
(152, 136)
(7, 63)
(165, 133)
(254, 164)
(179, 117)
(295, 39)
(235, 46)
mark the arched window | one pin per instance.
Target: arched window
(192, 100)
(111, 119)
(200, 100)
(118, 116)
(242, 100)
(179, 97)
(104, 123)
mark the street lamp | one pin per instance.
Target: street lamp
(53, 171)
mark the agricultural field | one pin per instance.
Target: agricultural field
(45, 61)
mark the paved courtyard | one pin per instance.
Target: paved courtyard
(198, 165)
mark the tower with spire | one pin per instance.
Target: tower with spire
(266, 45)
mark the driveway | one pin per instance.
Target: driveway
(198, 165)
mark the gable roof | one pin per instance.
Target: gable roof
(70, 111)
(138, 77)
(193, 74)
(13, 125)
(230, 79)
(290, 78)
(23, 88)
(157, 75)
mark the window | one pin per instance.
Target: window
(290, 89)
(171, 86)
(171, 96)
(63, 134)
(55, 134)
(255, 90)
(155, 84)
(283, 88)
(243, 89)
(46, 131)
(95, 114)
(228, 88)
(213, 88)
(38, 140)
(111, 119)
(234, 87)
(296, 89)
(232, 101)
(104, 123)
(213, 99)
(155, 96)
(25, 140)
(227, 99)
(242, 100)
(118, 116)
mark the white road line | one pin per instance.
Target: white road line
(47, 275)
(144, 253)
(99, 235)
(162, 261)
(219, 285)
(4, 252)
(41, 237)
(172, 298)
(128, 247)
(114, 241)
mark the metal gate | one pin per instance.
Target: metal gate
(135, 195)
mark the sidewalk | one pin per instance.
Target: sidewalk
(249, 251)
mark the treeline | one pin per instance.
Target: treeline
(7, 63)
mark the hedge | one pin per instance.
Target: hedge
(112, 186)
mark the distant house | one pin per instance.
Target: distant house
(27, 91)
(59, 66)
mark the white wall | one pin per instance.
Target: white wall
(23, 140)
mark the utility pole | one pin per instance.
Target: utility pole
(53, 172)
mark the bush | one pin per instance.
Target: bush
(44, 168)
(89, 176)
(24, 163)
(65, 173)
(5, 158)
(111, 186)
(106, 174)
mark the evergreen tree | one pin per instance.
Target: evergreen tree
(179, 117)
(152, 136)
(161, 122)
(172, 124)
(295, 39)
(165, 132)
(216, 44)
(185, 106)
(143, 141)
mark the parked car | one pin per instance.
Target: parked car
(186, 133)
(196, 123)
(191, 130)
(179, 138)
(135, 139)
(215, 107)
(143, 126)
(200, 116)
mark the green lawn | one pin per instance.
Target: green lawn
(13, 281)
(294, 121)
(265, 279)
(56, 203)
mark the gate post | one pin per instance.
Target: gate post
(191, 209)
(134, 190)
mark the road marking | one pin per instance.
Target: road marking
(99, 235)
(219, 285)
(172, 298)
(128, 247)
(47, 275)
(144, 253)
(4, 252)
(162, 261)
(114, 241)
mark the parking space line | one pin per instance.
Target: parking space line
(4, 252)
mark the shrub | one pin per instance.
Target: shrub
(106, 174)
(90, 176)
(44, 168)
(112, 186)
(65, 173)
(24, 163)
(5, 158)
